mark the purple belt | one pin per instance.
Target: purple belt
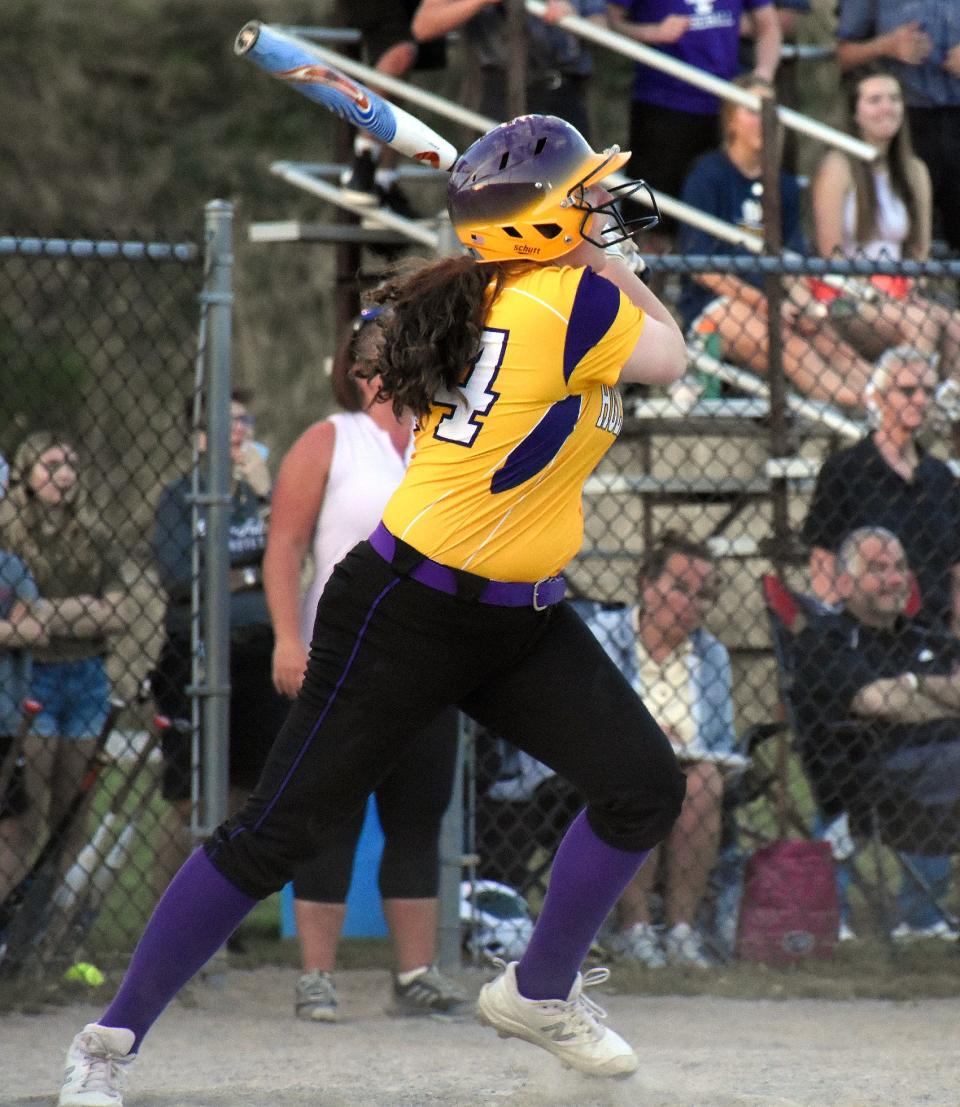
(502, 593)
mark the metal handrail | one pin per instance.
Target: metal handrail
(482, 123)
(656, 59)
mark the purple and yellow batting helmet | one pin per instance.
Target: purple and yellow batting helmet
(519, 191)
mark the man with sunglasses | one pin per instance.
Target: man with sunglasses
(888, 480)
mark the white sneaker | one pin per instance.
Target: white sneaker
(846, 933)
(571, 1029)
(904, 932)
(639, 943)
(96, 1060)
(684, 947)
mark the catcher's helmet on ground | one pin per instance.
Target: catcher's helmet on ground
(520, 192)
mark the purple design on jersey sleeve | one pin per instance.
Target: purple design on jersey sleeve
(540, 446)
(595, 307)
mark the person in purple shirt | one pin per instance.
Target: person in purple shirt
(675, 119)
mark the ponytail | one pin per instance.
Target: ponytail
(432, 330)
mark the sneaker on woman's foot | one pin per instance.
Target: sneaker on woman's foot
(428, 993)
(316, 997)
(571, 1029)
(94, 1076)
(684, 947)
(640, 944)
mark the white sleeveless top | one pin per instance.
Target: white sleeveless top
(364, 472)
(893, 223)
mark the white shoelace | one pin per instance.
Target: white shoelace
(585, 1012)
(102, 1072)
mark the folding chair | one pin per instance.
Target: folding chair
(844, 773)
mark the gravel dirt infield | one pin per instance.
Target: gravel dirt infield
(241, 1047)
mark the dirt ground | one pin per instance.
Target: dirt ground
(241, 1047)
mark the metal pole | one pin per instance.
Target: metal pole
(516, 59)
(218, 298)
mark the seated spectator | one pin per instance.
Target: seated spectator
(726, 183)
(921, 43)
(683, 674)
(47, 521)
(882, 212)
(558, 62)
(21, 629)
(888, 480)
(899, 682)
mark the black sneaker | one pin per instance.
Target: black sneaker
(430, 993)
(358, 181)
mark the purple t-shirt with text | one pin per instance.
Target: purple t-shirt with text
(711, 43)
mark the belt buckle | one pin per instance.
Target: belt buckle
(537, 605)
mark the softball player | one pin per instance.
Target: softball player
(509, 358)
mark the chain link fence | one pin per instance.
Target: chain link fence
(99, 363)
(709, 572)
(822, 784)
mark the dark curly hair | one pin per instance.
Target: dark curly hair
(432, 330)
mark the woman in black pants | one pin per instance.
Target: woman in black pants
(509, 359)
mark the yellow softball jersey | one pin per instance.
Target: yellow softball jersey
(495, 483)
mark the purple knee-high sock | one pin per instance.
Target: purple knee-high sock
(587, 879)
(195, 916)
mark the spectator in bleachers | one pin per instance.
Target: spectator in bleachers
(921, 41)
(897, 771)
(671, 121)
(882, 211)
(558, 62)
(21, 629)
(682, 672)
(257, 710)
(888, 480)
(47, 522)
(388, 46)
(726, 183)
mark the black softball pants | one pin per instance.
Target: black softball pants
(388, 654)
(411, 800)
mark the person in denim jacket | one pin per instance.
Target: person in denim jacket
(683, 674)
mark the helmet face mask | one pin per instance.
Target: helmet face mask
(521, 192)
(616, 229)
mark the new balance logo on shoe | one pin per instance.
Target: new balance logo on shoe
(557, 1033)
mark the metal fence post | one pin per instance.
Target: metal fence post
(218, 301)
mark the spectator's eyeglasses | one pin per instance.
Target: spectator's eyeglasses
(911, 389)
(245, 420)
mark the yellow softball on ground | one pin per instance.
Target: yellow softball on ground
(85, 973)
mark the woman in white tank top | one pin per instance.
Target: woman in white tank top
(330, 494)
(882, 211)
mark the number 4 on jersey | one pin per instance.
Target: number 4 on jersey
(475, 396)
